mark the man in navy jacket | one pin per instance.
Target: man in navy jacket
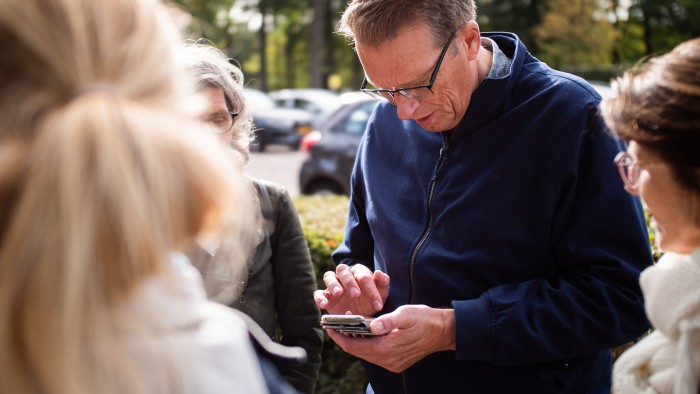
(488, 228)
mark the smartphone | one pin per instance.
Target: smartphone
(347, 324)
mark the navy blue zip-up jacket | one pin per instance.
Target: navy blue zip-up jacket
(518, 221)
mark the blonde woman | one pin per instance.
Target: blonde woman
(656, 108)
(278, 290)
(104, 175)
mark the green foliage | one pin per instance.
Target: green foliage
(517, 16)
(573, 32)
(655, 251)
(630, 45)
(665, 23)
(208, 19)
(323, 220)
(568, 34)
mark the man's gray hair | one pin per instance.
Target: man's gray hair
(375, 21)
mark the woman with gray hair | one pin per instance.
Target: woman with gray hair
(278, 293)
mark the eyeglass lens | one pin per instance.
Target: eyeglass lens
(417, 92)
(222, 122)
(628, 169)
(412, 93)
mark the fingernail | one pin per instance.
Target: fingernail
(354, 292)
(323, 303)
(336, 290)
(379, 326)
(377, 306)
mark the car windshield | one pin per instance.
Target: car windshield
(357, 120)
(321, 98)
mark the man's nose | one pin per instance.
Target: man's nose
(405, 106)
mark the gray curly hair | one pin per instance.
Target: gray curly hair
(210, 67)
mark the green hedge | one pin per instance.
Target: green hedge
(323, 220)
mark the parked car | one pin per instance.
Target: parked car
(274, 124)
(332, 155)
(351, 96)
(332, 148)
(320, 102)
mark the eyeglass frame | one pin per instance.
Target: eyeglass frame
(631, 169)
(218, 130)
(376, 93)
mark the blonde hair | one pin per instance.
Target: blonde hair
(210, 67)
(103, 172)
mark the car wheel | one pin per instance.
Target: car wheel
(324, 188)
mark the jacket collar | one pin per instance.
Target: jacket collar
(487, 100)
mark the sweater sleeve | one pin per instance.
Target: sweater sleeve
(600, 244)
(357, 245)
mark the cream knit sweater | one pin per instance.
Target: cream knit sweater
(668, 360)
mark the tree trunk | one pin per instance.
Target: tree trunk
(647, 14)
(317, 43)
(262, 76)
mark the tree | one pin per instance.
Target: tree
(517, 16)
(209, 20)
(575, 32)
(293, 15)
(665, 23)
(318, 40)
(311, 51)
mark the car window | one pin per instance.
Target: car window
(356, 121)
(305, 105)
(258, 100)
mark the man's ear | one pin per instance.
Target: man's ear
(470, 34)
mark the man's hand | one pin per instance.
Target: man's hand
(353, 289)
(405, 337)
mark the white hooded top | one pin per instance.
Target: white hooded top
(207, 344)
(667, 360)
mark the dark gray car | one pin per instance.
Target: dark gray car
(329, 165)
(274, 124)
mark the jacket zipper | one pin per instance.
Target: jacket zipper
(426, 232)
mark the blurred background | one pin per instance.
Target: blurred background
(290, 43)
(302, 79)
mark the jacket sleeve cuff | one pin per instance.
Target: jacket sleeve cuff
(474, 335)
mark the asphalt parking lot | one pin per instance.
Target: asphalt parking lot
(278, 164)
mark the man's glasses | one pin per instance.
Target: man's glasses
(629, 170)
(418, 92)
(222, 122)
